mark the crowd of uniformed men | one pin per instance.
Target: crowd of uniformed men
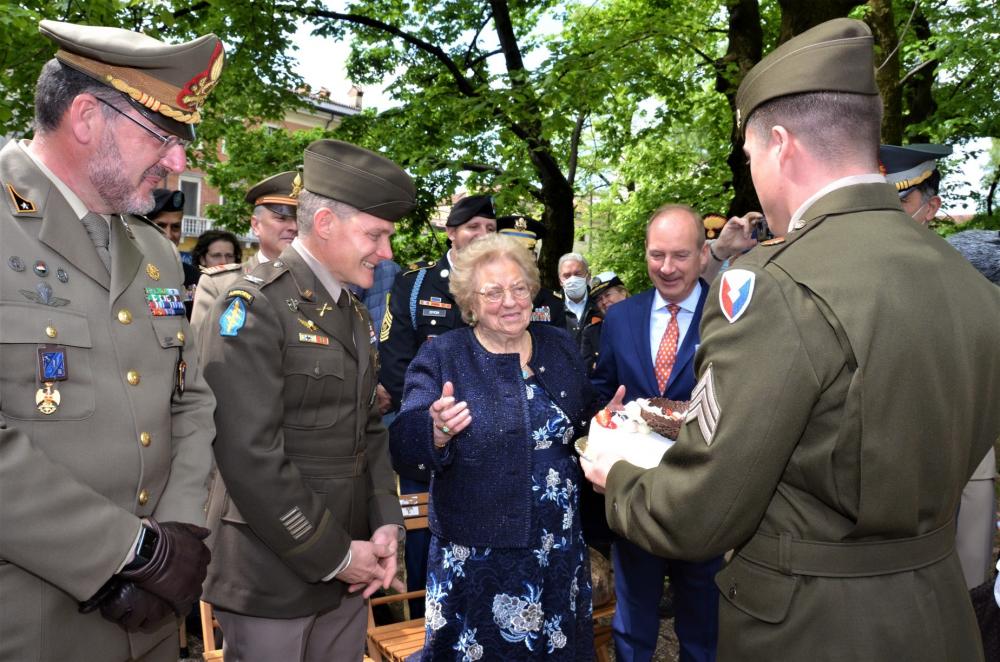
(843, 378)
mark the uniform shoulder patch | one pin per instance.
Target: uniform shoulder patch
(221, 268)
(735, 292)
(233, 318)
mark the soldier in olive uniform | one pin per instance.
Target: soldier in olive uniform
(832, 462)
(311, 515)
(274, 203)
(105, 420)
(548, 306)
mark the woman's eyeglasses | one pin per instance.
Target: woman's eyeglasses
(494, 293)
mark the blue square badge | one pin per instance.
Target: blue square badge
(52, 363)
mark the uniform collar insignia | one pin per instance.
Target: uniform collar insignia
(21, 204)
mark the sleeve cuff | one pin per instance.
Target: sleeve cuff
(340, 568)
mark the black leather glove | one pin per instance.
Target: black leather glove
(178, 564)
(134, 608)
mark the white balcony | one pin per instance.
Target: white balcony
(194, 226)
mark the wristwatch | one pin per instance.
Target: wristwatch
(144, 548)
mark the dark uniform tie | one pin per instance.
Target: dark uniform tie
(100, 234)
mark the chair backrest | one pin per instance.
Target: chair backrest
(414, 510)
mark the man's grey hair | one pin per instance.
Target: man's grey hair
(574, 257)
(310, 203)
(58, 85)
(982, 249)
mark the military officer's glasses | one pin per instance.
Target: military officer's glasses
(166, 142)
(494, 293)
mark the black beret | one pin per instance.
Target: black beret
(469, 207)
(166, 200)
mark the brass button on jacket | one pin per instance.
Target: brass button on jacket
(125, 316)
(145, 439)
(133, 377)
(143, 497)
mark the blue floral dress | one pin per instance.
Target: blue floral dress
(519, 604)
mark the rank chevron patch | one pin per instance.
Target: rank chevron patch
(704, 406)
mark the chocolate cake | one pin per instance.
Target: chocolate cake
(665, 424)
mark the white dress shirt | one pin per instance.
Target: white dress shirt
(659, 319)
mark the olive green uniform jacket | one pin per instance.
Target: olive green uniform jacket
(211, 285)
(829, 437)
(300, 444)
(74, 483)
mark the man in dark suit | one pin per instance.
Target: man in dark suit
(311, 517)
(648, 345)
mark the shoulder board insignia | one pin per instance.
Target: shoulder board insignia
(557, 295)
(221, 268)
(735, 292)
(243, 294)
(233, 318)
(773, 242)
(383, 334)
(418, 266)
(256, 280)
(21, 204)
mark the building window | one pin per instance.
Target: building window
(192, 196)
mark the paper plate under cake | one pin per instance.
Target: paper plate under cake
(639, 432)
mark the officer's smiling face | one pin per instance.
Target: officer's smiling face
(353, 246)
(128, 162)
(466, 233)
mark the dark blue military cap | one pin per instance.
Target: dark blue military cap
(469, 207)
(523, 228)
(906, 167)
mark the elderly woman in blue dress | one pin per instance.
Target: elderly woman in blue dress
(493, 410)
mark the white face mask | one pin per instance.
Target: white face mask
(575, 287)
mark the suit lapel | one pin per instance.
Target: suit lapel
(685, 353)
(125, 258)
(640, 337)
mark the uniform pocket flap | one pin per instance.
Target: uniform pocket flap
(169, 331)
(36, 324)
(759, 592)
(311, 466)
(316, 362)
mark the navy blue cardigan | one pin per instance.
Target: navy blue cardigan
(481, 482)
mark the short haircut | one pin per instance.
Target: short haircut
(310, 203)
(464, 280)
(575, 257)
(207, 238)
(57, 86)
(691, 212)
(839, 127)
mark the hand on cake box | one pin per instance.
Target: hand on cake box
(639, 432)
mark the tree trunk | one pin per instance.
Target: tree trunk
(883, 25)
(797, 16)
(917, 89)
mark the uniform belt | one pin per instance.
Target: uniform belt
(330, 467)
(792, 556)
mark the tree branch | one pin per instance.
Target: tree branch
(475, 38)
(574, 148)
(479, 167)
(463, 83)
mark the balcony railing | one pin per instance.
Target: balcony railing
(194, 226)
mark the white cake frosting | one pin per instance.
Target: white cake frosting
(631, 436)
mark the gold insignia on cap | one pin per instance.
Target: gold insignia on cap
(21, 204)
(152, 271)
(520, 225)
(296, 186)
(194, 93)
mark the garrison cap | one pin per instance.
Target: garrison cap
(167, 83)
(279, 193)
(835, 56)
(358, 177)
(468, 207)
(166, 200)
(603, 282)
(906, 167)
(524, 229)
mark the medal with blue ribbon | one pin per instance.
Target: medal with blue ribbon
(52, 368)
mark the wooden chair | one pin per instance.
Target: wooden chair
(396, 641)
(208, 627)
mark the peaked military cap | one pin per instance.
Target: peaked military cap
(166, 200)
(713, 224)
(167, 83)
(525, 229)
(358, 177)
(603, 282)
(906, 167)
(835, 56)
(469, 207)
(279, 193)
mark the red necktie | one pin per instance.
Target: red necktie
(667, 352)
